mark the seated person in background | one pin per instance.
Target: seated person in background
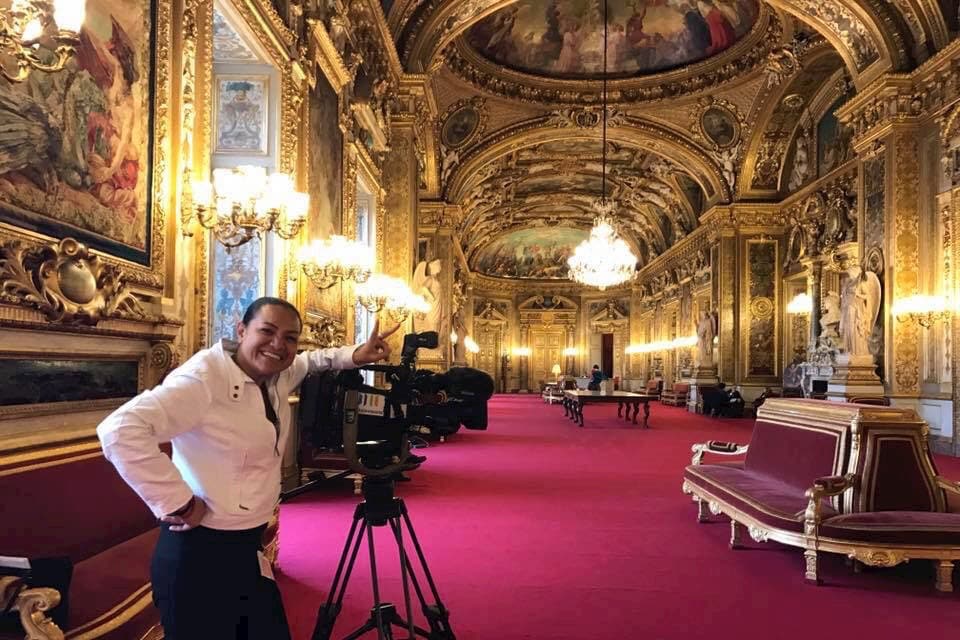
(734, 406)
(596, 377)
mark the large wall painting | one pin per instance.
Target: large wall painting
(833, 141)
(530, 253)
(325, 171)
(42, 381)
(564, 38)
(241, 113)
(76, 149)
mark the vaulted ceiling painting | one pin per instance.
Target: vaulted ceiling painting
(564, 38)
(707, 99)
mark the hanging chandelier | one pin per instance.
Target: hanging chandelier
(604, 259)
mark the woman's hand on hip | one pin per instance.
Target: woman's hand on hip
(188, 519)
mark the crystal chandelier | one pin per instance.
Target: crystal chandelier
(243, 202)
(28, 26)
(604, 259)
(381, 292)
(334, 260)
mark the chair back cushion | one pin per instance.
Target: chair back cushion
(681, 387)
(796, 454)
(896, 470)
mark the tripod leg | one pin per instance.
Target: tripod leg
(437, 615)
(404, 574)
(382, 634)
(327, 615)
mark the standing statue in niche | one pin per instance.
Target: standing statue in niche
(426, 282)
(706, 331)
(859, 308)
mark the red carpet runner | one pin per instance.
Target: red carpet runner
(537, 529)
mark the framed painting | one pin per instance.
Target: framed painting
(460, 126)
(833, 141)
(77, 156)
(720, 127)
(241, 114)
(58, 383)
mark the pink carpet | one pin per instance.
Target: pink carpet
(538, 529)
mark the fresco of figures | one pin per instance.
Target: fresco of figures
(74, 152)
(564, 38)
(530, 253)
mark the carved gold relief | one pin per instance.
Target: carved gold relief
(906, 229)
(65, 282)
(879, 557)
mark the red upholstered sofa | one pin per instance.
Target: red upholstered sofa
(834, 477)
(69, 501)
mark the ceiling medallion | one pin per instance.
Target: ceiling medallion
(604, 259)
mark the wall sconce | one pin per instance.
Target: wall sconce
(27, 23)
(570, 352)
(924, 310)
(523, 352)
(471, 345)
(381, 292)
(684, 342)
(454, 338)
(802, 303)
(243, 202)
(337, 259)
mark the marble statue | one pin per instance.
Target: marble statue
(426, 282)
(830, 315)
(859, 308)
(706, 331)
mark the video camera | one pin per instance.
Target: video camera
(381, 418)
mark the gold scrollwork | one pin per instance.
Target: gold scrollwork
(879, 557)
(65, 282)
(323, 331)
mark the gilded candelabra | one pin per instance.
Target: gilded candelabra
(242, 203)
(29, 27)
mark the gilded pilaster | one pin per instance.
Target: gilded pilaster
(725, 274)
(905, 223)
(400, 208)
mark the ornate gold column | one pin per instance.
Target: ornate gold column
(399, 227)
(903, 219)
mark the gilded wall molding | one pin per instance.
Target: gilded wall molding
(906, 278)
(759, 310)
(202, 137)
(322, 331)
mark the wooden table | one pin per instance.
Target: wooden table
(573, 401)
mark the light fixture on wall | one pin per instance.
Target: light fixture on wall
(328, 262)
(471, 345)
(801, 303)
(604, 259)
(243, 202)
(922, 309)
(28, 26)
(386, 293)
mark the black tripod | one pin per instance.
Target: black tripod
(380, 507)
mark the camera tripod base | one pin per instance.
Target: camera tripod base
(381, 508)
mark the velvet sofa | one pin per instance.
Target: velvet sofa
(834, 477)
(69, 501)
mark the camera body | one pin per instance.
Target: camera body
(376, 421)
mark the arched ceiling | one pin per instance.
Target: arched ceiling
(706, 98)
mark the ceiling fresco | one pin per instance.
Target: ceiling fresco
(529, 253)
(564, 38)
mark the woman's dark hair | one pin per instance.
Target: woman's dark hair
(266, 301)
(596, 366)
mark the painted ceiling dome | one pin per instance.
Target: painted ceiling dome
(564, 38)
